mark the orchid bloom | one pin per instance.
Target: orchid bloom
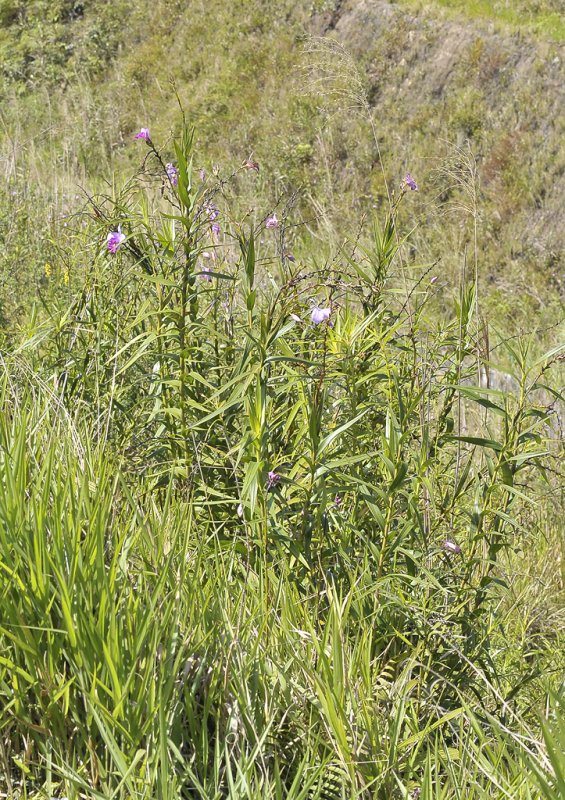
(319, 315)
(173, 174)
(143, 134)
(115, 240)
(274, 478)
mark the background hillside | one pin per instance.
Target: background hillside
(423, 79)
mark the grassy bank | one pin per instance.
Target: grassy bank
(544, 19)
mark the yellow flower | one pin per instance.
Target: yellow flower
(66, 277)
(47, 269)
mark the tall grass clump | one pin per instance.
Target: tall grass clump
(261, 518)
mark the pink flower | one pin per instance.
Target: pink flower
(173, 174)
(115, 240)
(250, 164)
(451, 547)
(410, 182)
(319, 315)
(272, 222)
(143, 134)
(274, 478)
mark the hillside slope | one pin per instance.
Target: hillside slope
(501, 95)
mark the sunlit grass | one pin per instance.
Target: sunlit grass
(519, 16)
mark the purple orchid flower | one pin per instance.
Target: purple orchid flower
(212, 211)
(319, 315)
(451, 547)
(216, 229)
(274, 478)
(272, 222)
(410, 182)
(115, 240)
(143, 134)
(173, 174)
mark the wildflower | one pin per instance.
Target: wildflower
(47, 269)
(115, 240)
(410, 182)
(433, 280)
(240, 511)
(216, 228)
(212, 211)
(249, 164)
(272, 222)
(319, 315)
(290, 257)
(66, 277)
(451, 547)
(143, 134)
(295, 317)
(173, 174)
(338, 500)
(206, 270)
(202, 174)
(274, 478)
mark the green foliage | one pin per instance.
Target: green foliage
(45, 42)
(241, 554)
(246, 555)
